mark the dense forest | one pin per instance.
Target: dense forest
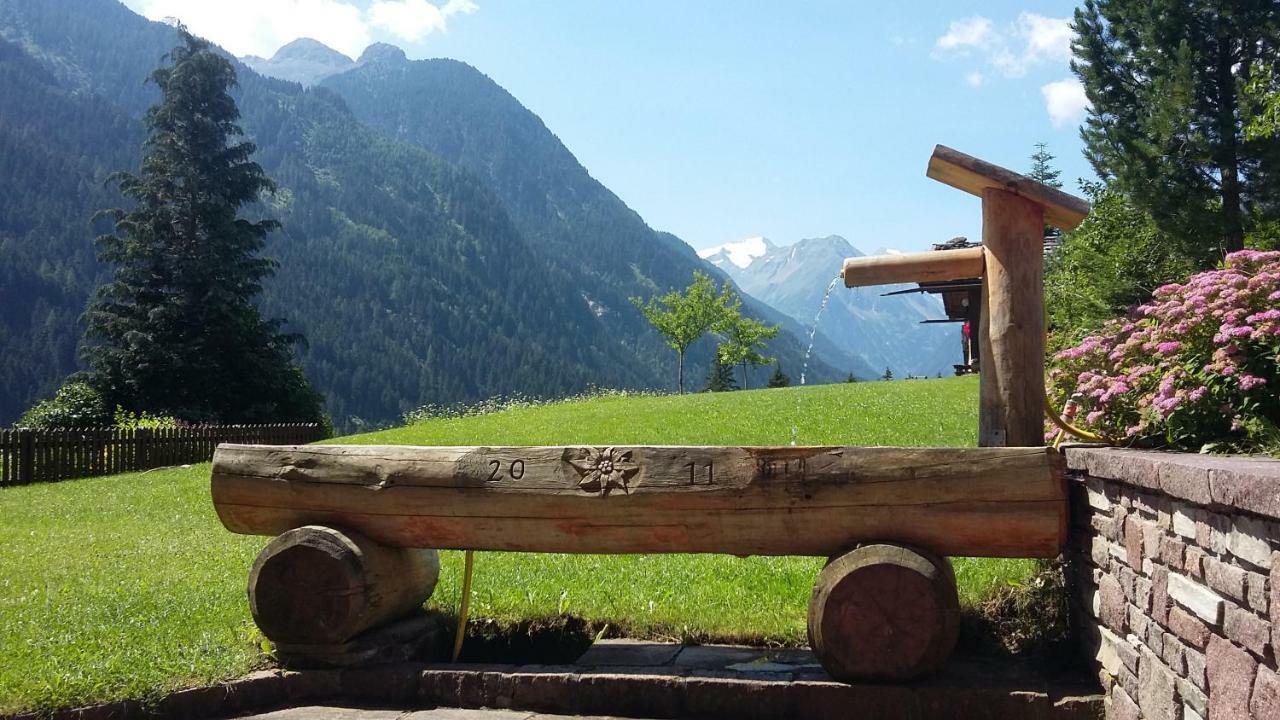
(418, 272)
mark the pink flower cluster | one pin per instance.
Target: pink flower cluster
(1198, 364)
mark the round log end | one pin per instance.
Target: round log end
(319, 585)
(884, 612)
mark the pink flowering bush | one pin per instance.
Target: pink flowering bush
(1196, 368)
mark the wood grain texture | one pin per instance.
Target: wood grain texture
(1011, 385)
(321, 585)
(884, 612)
(974, 176)
(1006, 502)
(913, 267)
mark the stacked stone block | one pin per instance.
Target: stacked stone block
(1176, 580)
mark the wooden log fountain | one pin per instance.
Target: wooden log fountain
(358, 507)
(358, 525)
(1006, 502)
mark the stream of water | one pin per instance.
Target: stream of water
(813, 331)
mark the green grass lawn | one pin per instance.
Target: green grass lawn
(127, 586)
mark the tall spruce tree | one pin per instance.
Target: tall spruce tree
(1042, 168)
(1164, 80)
(176, 331)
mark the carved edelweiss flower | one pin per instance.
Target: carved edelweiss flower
(604, 470)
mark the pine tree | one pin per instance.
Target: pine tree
(779, 379)
(720, 379)
(1042, 168)
(1163, 79)
(176, 331)
(888, 374)
(851, 379)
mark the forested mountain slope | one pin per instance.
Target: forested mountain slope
(461, 114)
(416, 278)
(398, 267)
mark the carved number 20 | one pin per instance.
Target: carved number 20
(516, 471)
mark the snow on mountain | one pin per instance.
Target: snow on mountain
(740, 254)
(880, 331)
(303, 61)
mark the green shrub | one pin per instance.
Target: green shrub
(1113, 261)
(1196, 368)
(76, 404)
(144, 421)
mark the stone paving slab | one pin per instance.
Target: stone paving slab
(636, 653)
(322, 712)
(647, 681)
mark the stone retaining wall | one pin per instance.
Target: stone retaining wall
(1176, 580)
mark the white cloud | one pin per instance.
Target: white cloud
(415, 19)
(972, 32)
(974, 79)
(1065, 101)
(1028, 41)
(1046, 38)
(260, 27)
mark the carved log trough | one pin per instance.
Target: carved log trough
(885, 605)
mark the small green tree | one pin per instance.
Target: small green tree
(743, 339)
(851, 379)
(888, 374)
(720, 379)
(683, 317)
(176, 331)
(779, 379)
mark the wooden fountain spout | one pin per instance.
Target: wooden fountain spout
(933, 266)
(1010, 264)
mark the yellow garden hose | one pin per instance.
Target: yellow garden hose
(467, 566)
(1060, 420)
(1066, 427)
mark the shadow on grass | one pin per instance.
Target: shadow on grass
(1027, 621)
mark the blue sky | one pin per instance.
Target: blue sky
(718, 120)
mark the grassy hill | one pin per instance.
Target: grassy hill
(127, 586)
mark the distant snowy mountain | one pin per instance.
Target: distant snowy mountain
(881, 331)
(739, 254)
(303, 61)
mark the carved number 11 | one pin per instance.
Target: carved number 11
(693, 478)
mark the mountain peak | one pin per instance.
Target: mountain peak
(310, 50)
(383, 53)
(835, 243)
(740, 253)
(304, 60)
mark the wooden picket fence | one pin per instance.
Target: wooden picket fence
(32, 456)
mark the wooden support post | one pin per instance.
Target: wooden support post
(315, 585)
(1011, 390)
(1015, 209)
(884, 612)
